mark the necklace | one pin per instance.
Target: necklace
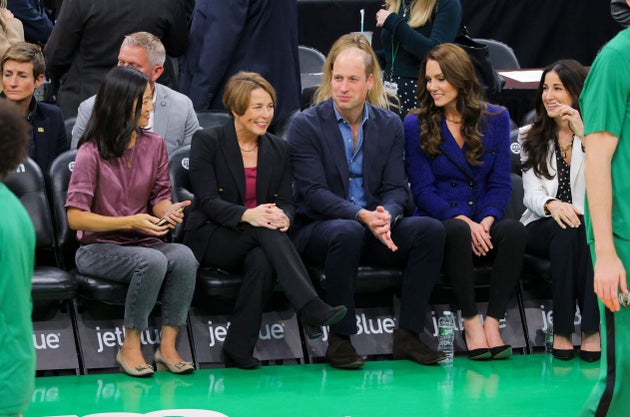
(565, 149)
(253, 148)
(130, 160)
(457, 122)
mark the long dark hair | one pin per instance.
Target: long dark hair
(544, 129)
(470, 103)
(114, 117)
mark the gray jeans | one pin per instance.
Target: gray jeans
(146, 270)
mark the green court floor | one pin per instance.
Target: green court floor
(524, 385)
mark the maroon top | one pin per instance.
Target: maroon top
(111, 188)
(250, 187)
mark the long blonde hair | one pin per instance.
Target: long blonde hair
(421, 10)
(377, 95)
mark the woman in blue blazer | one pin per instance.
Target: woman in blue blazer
(457, 158)
(241, 178)
(554, 186)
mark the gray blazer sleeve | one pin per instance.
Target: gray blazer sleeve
(84, 113)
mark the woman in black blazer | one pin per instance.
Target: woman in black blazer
(241, 178)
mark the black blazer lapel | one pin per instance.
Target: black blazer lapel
(232, 154)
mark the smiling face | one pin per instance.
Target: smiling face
(255, 120)
(350, 83)
(444, 94)
(554, 94)
(18, 81)
(147, 107)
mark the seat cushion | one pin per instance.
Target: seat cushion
(50, 283)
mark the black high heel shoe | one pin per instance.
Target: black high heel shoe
(563, 354)
(501, 352)
(590, 356)
(480, 354)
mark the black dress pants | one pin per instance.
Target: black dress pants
(571, 272)
(340, 245)
(262, 255)
(508, 240)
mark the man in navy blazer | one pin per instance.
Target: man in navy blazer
(351, 190)
(246, 35)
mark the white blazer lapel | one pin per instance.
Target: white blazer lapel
(577, 160)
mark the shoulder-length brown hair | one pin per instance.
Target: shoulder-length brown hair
(470, 102)
(377, 94)
(544, 129)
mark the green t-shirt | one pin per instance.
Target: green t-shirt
(605, 105)
(17, 354)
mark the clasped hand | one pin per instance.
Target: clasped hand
(267, 215)
(379, 222)
(481, 242)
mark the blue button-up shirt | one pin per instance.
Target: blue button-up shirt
(356, 192)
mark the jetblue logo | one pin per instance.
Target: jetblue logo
(115, 338)
(270, 331)
(45, 341)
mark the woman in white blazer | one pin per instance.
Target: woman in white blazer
(552, 157)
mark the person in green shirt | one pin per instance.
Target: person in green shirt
(605, 104)
(17, 252)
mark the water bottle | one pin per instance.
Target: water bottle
(446, 335)
(549, 339)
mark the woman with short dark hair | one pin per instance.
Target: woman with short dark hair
(241, 178)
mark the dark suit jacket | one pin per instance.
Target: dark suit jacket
(218, 181)
(320, 168)
(48, 133)
(36, 22)
(85, 41)
(227, 36)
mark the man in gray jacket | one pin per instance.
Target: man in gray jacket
(173, 115)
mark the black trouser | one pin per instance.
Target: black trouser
(261, 255)
(341, 245)
(571, 272)
(508, 240)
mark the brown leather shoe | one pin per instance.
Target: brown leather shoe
(341, 354)
(407, 345)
